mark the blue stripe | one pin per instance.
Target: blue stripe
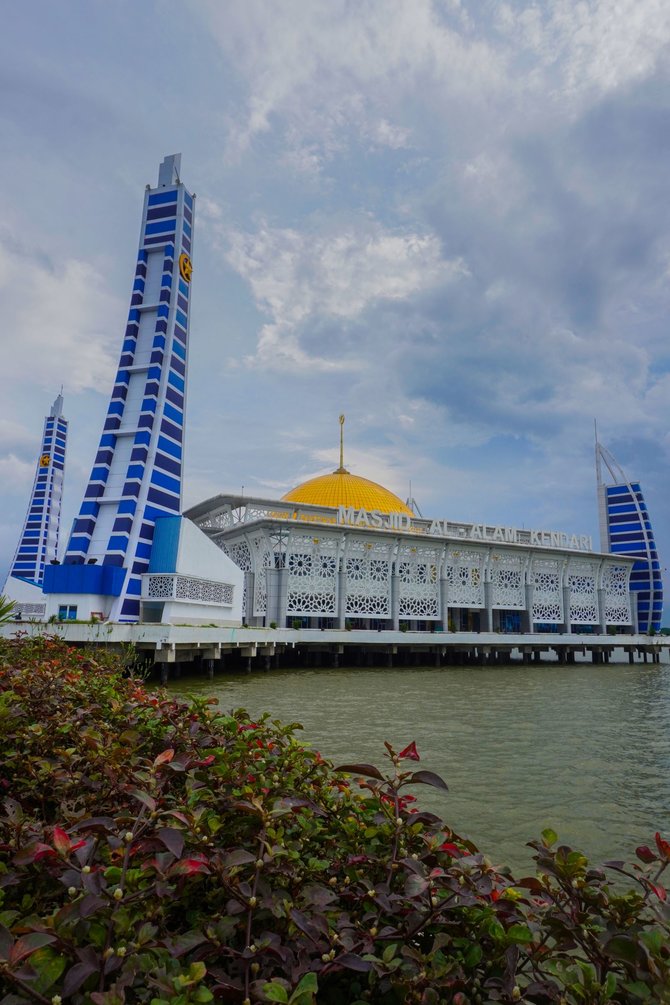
(160, 197)
(168, 447)
(176, 381)
(165, 482)
(160, 226)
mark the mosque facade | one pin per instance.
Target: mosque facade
(340, 551)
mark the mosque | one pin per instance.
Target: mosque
(336, 552)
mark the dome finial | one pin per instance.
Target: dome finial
(342, 470)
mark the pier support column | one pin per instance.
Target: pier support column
(165, 673)
(341, 597)
(334, 660)
(444, 604)
(487, 613)
(209, 666)
(527, 614)
(276, 597)
(395, 599)
(567, 626)
(602, 628)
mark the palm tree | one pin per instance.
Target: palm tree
(6, 609)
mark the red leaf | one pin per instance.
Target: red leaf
(29, 944)
(660, 891)
(188, 867)
(428, 778)
(33, 853)
(450, 847)
(663, 846)
(61, 841)
(164, 758)
(368, 770)
(353, 962)
(206, 761)
(76, 976)
(172, 838)
(645, 854)
(410, 753)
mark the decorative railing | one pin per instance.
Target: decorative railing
(188, 589)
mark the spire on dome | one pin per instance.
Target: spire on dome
(341, 470)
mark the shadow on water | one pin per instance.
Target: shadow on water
(582, 749)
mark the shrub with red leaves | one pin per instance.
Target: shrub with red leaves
(158, 851)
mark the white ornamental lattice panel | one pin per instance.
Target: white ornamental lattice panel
(30, 610)
(311, 564)
(581, 581)
(263, 558)
(547, 591)
(159, 587)
(367, 569)
(464, 573)
(203, 590)
(418, 582)
(173, 587)
(617, 596)
(238, 552)
(507, 585)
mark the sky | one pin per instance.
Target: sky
(449, 221)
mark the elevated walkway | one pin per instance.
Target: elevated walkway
(245, 649)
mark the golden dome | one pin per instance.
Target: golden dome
(341, 488)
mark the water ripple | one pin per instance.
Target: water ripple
(584, 750)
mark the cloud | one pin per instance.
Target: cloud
(335, 273)
(58, 319)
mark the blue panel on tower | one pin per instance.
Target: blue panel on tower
(166, 544)
(105, 580)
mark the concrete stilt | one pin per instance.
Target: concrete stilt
(165, 673)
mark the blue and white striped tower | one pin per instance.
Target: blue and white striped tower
(625, 529)
(137, 472)
(38, 544)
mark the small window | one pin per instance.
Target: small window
(67, 612)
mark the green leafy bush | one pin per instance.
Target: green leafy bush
(163, 852)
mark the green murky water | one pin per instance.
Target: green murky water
(584, 750)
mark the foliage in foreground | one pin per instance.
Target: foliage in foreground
(163, 852)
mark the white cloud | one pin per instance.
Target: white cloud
(337, 273)
(326, 66)
(16, 472)
(61, 320)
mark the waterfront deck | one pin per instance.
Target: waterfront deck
(174, 647)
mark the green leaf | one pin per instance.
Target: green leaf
(638, 988)
(473, 956)
(549, 837)
(609, 986)
(308, 982)
(519, 933)
(197, 971)
(275, 992)
(621, 947)
(389, 952)
(48, 966)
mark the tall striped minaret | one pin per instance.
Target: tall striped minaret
(137, 472)
(38, 544)
(625, 529)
